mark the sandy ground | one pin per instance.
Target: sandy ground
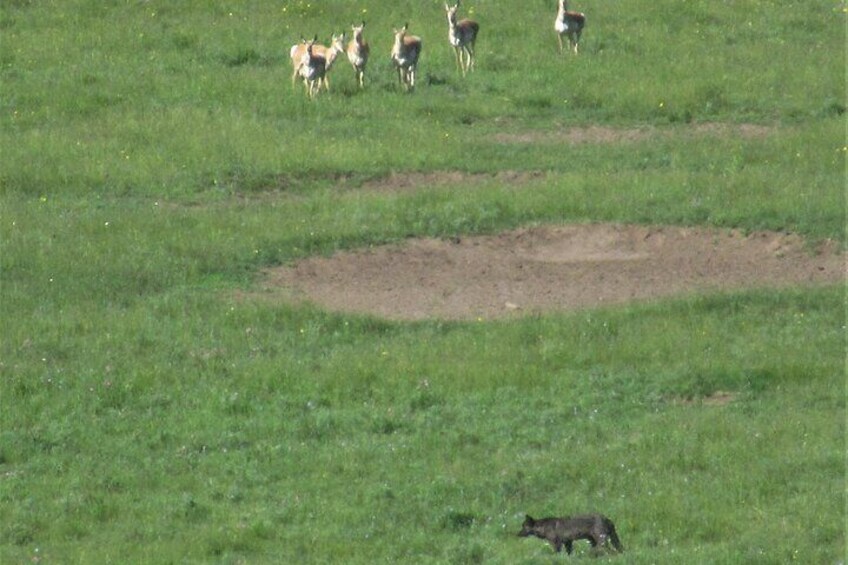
(551, 268)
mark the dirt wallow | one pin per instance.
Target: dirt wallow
(552, 268)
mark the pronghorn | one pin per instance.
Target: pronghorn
(336, 48)
(328, 53)
(357, 54)
(405, 54)
(570, 24)
(312, 67)
(296, 53)
(462, 35)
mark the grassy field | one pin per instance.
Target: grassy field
(155, 158)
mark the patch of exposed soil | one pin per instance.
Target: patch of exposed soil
(399, 182)
(552, 268)
(718, 398)
(601, 134)
(413, 181)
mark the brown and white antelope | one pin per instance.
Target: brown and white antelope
(570, 24)
(329, 54)
(462, 35)
(405, 53)
(357, 53)
(311, 67)
(296, 53)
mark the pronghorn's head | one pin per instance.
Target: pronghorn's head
(337, 42)
(399, 36)
(451, 12)
(357, 31)
(307, 46)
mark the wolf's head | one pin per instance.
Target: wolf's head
(528, 528)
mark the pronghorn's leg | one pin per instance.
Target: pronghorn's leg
(559, 40)
(469, 52)
(457, 51)
(294, 74)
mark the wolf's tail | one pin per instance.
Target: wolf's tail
(613, 536)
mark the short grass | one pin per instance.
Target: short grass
(155, 158)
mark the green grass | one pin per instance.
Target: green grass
(151, 410)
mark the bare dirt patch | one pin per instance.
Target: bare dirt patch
(552, 268)
(413, 181)
(401, 182)
(602, 134)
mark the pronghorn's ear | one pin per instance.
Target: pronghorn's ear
(363, 23)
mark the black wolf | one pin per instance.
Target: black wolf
(596, 528)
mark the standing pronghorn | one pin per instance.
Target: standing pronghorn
(462, 35)
(570, 24)
(328, 53)
(296, 53)
(336, 48)
(357, 54)
(312, 67)
(405, 53)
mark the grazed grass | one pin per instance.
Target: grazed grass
(153, 163)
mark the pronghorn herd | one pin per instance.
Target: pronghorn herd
(312, 61)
